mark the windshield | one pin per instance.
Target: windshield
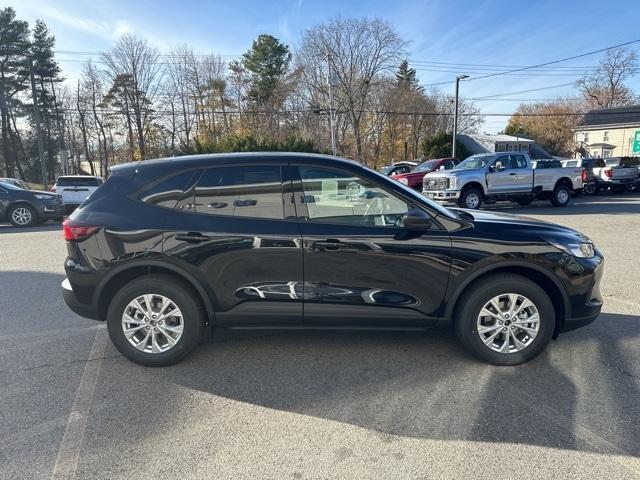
(426, 166)
(386, 169)
(9, 186)
(420, 198)
(475, 161)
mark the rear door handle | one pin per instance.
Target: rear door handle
(191, 237)
(513, 173)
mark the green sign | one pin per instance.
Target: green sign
(636, 144)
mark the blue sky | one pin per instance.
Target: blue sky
(455, 32)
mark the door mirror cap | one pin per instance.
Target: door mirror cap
(417, 220)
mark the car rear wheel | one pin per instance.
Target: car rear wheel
(470, 198)
(561, 196)
(505, 320)
(22, 216)
(155, 320)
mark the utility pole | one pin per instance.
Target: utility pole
(36, 118)
(455, 115)
(63, 148)
(331, 117)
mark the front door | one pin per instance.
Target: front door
(236, 231)
(510, 175)
(360, 267)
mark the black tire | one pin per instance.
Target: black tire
(561, 196)
(470, 198)
(617, 189)
(33, 216)
(474, 299)
(178, 292)
(524, 201)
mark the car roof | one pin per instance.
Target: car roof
(78, 176)
(207, 159)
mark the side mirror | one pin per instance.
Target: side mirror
(417, 220)
(492, 169)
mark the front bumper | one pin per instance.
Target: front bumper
(586, 308)
(50, 211)
(82, 309)
(442, 195)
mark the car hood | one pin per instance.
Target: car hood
(454, 172)
(506, 222)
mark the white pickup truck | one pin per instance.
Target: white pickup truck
(75, 189)
(492, 177)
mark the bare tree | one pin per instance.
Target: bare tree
(605, 87)
(132, 59)
(359, 52)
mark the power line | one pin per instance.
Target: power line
(549, 87)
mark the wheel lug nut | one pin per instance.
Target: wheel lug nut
(500, 322)
(504, 329)
(155, 329)
(147, 328)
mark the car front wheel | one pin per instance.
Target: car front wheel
(22, 216)
(505, 320)
(155, 320)
(470, 198)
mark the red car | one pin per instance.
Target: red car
(414, 178)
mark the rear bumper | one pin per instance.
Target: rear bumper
(82, 309)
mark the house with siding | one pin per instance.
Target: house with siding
(609, 132)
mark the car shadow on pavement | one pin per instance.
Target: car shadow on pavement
(584, 205)
(50, 226)
(580, 394)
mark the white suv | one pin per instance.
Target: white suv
(75, 189)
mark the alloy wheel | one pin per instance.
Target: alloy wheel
(508, 323)
(22, 216)
(152, 323)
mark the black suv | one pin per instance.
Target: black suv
(168, 248)
(25, 208)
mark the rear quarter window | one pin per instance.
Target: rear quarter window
(169, 191)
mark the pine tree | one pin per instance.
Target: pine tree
(46, 72)
(406, 78)
(268, 60)
(14, 45)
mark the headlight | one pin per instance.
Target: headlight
(43, 197)
(580, 250)
(453, 182)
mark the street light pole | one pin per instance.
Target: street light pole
(331, 118)
(455, 115)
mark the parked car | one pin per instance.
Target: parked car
(168, 249)
(398, 168)
(25, 208)
(501, 177)
(620, 173)
(413, 179)
(591, 182)
(16, 182)
(75, 189)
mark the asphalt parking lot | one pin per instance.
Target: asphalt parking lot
(319, 405)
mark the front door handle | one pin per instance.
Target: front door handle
(191, 237)
(330, 244)
(513, 173)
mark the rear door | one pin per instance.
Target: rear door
(360, 267)
(235, 231)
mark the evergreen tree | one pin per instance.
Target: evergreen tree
(268, 61)
(14, 44)
(406, 78)
(46, 73)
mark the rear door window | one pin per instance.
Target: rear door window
(241, 191)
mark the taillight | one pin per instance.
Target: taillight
(608, 172)
(74, 231)
(584, 175)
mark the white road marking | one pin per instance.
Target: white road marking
(69, 452)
